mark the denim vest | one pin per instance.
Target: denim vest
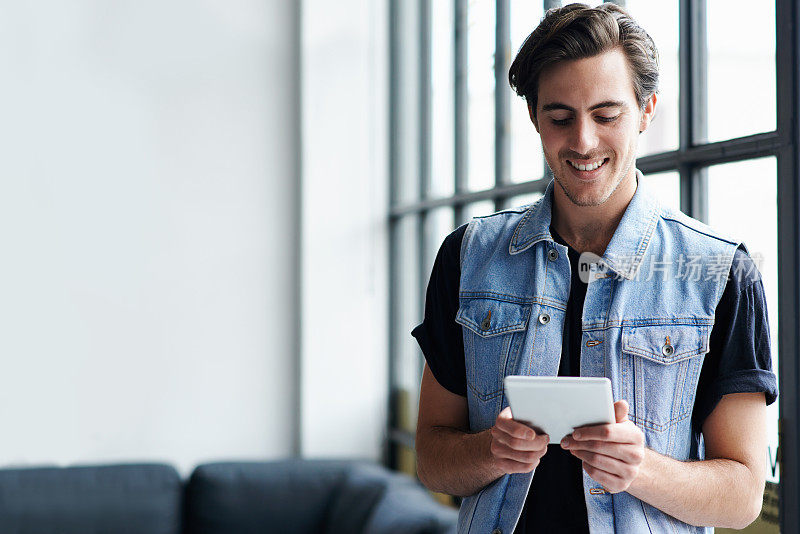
(646, 321)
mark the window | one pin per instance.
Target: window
(722, 148)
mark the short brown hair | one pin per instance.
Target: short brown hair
(578, 31)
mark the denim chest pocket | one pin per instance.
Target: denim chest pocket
(494, 331)
(661, 367)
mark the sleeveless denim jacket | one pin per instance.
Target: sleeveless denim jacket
(647, 319)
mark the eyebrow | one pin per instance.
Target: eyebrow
(606, 104)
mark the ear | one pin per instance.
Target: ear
(532, 115)
(648, 112)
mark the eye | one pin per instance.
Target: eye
(560, 122)
(601, 118)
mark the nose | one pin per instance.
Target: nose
(584, 139)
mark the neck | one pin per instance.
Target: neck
(590, 228)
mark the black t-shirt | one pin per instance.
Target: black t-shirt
(739, 360)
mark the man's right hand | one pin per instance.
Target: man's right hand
(516, 447)
(454, 460)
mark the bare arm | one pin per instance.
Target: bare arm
(452, 460)
(726, 489)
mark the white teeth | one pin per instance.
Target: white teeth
(590, 167)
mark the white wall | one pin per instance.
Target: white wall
(148, 254)
(344, 256)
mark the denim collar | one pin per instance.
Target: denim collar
(626, 249)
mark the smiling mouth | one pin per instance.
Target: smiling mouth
(589, 165)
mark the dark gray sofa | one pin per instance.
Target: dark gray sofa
(291, 496)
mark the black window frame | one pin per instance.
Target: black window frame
(690, 160)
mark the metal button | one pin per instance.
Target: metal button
(497, 531)
(544, 318)
(667, 349)
(552, 254)
(487, 321)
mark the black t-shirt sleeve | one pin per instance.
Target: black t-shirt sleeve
(439, 336)
(739, 359)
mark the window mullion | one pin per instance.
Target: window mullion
(425, 94)
(547, 172)
(425, 97)
(502, 97)
(460, 103)
(389, 453)
(693, 105)
(787, 14)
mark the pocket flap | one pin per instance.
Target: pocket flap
(665, 344)
(490, 317)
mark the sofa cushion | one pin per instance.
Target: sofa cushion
(310, 497)
(262, 497)
(123, 499)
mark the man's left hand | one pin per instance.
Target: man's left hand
(611, 454)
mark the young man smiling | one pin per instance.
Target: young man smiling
(687, 354)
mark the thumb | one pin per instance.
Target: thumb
(505, 414)
(621, 411)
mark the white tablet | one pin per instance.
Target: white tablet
(559, 405)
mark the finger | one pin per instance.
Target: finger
(515, 428)
(625, 432)
(612, 483)
(512, 466)
(621, 410)
(608, 464)
(504, 451)
(629, 454)
(521, 444)
(625, 452)
(505, 413)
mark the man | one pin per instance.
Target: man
(676, 319)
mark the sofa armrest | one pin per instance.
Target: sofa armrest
(374, 500)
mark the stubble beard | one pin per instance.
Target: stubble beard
(604, 195)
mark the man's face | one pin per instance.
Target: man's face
(589, 122)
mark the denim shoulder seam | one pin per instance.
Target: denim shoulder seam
(697, 228)
(518, 211)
